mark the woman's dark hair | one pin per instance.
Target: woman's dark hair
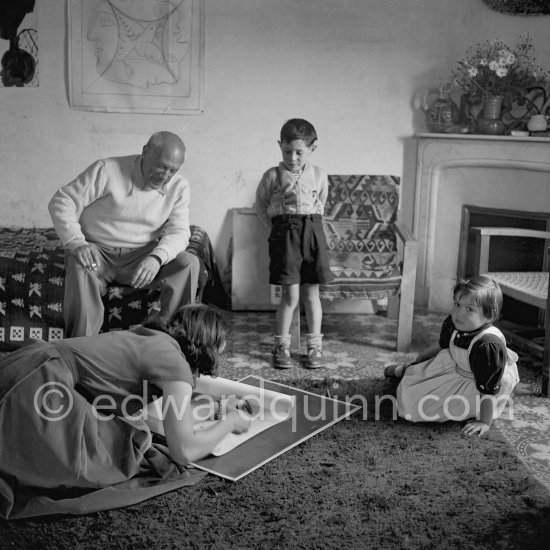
(485, 292)
(200, 331)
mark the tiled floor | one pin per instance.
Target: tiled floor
(359, 346)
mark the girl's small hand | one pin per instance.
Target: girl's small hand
(475, 426)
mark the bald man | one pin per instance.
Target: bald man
(126, 220)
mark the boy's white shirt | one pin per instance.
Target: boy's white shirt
(305, 193)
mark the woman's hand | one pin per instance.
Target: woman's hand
(238, 412)
(240, 421)
(238, 404)
(186, 444)
(476, 426)
(245, 406)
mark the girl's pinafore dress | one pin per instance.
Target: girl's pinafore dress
(444, 388)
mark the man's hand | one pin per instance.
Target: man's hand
(145, 272)
(87, 255)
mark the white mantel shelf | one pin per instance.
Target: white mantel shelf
(453, 170)
(425, 135)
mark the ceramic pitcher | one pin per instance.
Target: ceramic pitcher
(537, 123)
(442, 114)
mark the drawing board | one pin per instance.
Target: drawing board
(311, 414)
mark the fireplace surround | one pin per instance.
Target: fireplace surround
(493, 172)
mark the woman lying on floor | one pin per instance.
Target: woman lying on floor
(73, 434)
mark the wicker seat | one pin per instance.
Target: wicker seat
(530, 287)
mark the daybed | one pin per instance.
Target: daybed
(32, 274)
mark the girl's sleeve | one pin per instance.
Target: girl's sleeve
(487, 360)
(447, 329)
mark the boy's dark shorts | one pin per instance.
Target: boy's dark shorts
(298, 250)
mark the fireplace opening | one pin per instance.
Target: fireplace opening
(507, 253)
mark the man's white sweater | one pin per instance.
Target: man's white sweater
(109, 204)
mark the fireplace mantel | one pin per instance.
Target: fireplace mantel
(452, 170)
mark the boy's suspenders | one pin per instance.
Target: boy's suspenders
(316, 171)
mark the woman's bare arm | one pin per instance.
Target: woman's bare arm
(185, 443)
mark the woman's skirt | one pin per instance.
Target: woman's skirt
(58, 454)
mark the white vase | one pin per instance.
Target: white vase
(537, 123)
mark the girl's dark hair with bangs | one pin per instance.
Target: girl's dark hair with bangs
(200, 331)
(486, 293)
(298, 128)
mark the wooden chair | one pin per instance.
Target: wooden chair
(372, 254)
(530, 287)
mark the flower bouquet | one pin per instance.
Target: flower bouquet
(494, 69)
(495, 75)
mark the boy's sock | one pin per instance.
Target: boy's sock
(314, 358)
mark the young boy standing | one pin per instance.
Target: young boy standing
(290, 200)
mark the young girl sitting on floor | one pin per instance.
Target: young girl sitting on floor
(470, 374)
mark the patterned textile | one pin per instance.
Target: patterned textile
(32, 275)
(359, 225)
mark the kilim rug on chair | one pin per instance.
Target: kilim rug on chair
(360, 213)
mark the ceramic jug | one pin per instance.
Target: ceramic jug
(443, 113)
(537, 123)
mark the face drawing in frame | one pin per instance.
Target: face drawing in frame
(140, 43)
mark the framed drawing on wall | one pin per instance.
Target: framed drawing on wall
(136, 56)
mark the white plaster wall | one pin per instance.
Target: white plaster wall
(352, 67)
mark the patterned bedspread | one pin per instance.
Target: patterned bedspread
(32, 275)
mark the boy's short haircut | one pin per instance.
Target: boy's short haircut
(298, 128)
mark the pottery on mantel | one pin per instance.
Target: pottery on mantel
(490, 122)
(538, 123)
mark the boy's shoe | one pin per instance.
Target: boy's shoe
(281, 358)
(281, 352)
(314, 357)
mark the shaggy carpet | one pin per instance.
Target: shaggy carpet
(366, 482)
